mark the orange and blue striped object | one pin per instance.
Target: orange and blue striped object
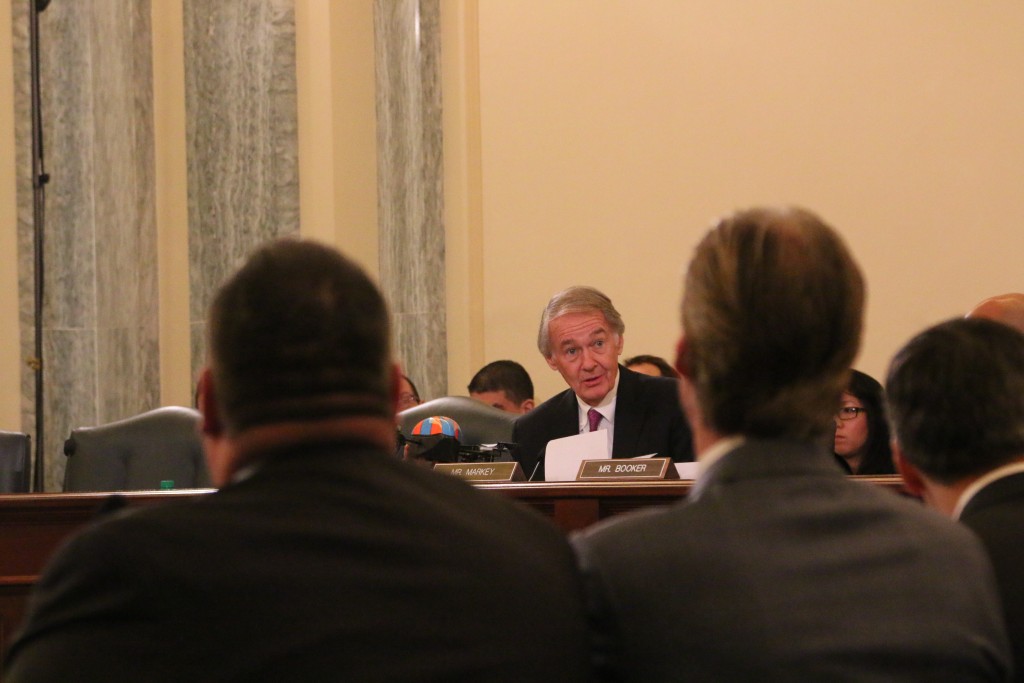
(437, 425)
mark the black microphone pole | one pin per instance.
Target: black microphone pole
(39, 180)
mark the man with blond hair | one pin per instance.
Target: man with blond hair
(778, 567)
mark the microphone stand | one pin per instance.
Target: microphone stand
(39, 180)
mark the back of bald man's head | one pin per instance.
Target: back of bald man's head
(1004, 308)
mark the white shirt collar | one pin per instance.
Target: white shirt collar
(606, 407)
(983, 481)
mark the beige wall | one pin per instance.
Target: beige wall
(171, 198)
(593, 141)
(10, 353)
(337, 126)
(612, 133)
(463, 198)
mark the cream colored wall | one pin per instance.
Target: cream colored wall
(593, 142)
(10, 352)
(463, 187)
(337, 126)
(613, 133)
(171, 196)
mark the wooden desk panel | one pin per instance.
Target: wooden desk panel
(32, 526)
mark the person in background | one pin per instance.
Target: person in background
(956, 393)
(862, 428)
(581, 336)
(408, 395)
(503, 384)
(321, 557)
(777, 567)
(655, 366)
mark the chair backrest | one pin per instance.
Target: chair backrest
(138, 453)
(15, 462)
(479, 422)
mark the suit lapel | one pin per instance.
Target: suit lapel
(630, 408)
(567, 420)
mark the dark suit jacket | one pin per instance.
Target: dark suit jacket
(782, 569)
(996, 514)
(336, 563)
(648, 419)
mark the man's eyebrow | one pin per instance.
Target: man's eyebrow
(601, 331)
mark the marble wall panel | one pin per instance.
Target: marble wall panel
(67, 353)
(127, 306)
(410, 190)
(128, 360)
(241, 112)
(67, 102)
(99, 306)
(23, 182)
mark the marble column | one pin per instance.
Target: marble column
(99, 310)
(410, 190)
(243, 183)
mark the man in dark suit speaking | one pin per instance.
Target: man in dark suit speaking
(956, 395)
(778, 567)
(581, 336)
(322, 557)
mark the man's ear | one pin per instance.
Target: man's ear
(551, 361)
(527, 405)
(683, 357)
(913, 482)
(206, 400)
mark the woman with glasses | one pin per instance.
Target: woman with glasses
(862, 429)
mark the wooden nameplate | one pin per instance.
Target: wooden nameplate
(633, 469)
(482, 471)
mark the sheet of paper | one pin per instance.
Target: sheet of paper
(687, 470)
(563, 456)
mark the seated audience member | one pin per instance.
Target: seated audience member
(503, 384)
(956, 393)
(321, 558)
(408, 396)
(655, 366)
(581, 336)
(1004, 308)
(862, 428)
(778, 567)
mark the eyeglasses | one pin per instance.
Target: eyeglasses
(849, 412)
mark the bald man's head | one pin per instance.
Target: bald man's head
(1005, 308)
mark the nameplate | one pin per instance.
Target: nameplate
(635, 469)
(482, 471)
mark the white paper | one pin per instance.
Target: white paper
(687, 470)
(563, 456)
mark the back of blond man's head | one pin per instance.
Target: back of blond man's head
(772, 314)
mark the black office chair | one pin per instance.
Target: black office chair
(479, 422)
(157, 449)
(15, 462)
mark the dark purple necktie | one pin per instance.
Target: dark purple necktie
(594, 418)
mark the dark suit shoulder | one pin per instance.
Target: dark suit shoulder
(553, 419)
